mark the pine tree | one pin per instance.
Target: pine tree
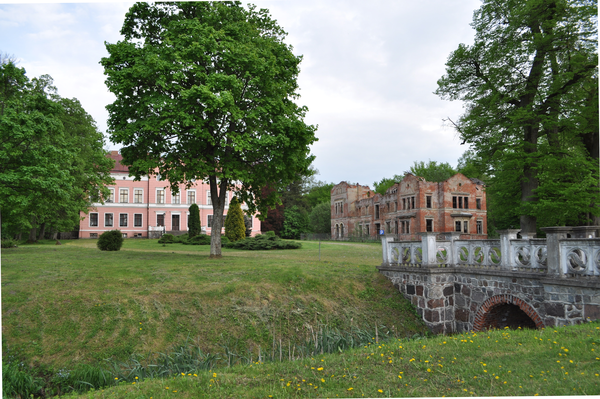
(194, 226)
(235, 229)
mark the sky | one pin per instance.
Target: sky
(368, 73)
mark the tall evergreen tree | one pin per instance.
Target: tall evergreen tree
(235, 228)
(194, 227)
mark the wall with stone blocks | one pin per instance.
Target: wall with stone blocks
(461, 299)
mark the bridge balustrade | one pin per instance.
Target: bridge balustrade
(578, 256)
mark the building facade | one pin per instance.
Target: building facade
(413, 206)
(147, 208)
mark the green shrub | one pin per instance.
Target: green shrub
(200, 239)
(18, 381)
(110, 240)
(167, 239)
(263, 242)
(235, 229)
(194, 227)
(9, 243)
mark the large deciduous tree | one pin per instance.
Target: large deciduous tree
(52, 165)
(206, 90)
(530, 84)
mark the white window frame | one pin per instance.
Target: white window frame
(126, 220)
(176, 197)
(97, 220)
(111, 196)
(112, 219)
(135, 192)
(164, 196)
(141, 218)
(121, 190)
(208, 198)
(164, 218)
(188, 197)
(209, 221)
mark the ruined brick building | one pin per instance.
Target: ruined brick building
(410, 207)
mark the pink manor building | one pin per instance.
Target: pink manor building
(147, 208)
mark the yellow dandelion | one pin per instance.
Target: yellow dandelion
(350, 388)
(380, 390)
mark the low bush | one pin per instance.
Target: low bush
(203, 239)
(9, 243)
(263, 242)
(167, 239)
(110, 240)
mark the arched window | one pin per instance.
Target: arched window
(342, 230)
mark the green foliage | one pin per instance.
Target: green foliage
(52, 164)
(110, 240)
(531, 104)
(166, 239)
(263, 242)
(295, 223)
(194, 226)
(320, 218)
(18, 380)
(219, 82)
(201, 239)
(384, 184)
(9, 243)
(319, 193)
(235, 229)
(433, 171)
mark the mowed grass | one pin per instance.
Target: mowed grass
(72, 304)
(554, 361)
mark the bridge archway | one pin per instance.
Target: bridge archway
(506, 311)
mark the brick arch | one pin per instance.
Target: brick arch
(491, 303)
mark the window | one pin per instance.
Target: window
(137, 220)
(479, 226)
(413, 202)
(466, 202)
(367, 230)
(176, 198)
(160, 219)
(93, 235)
(408, 227)
(403, 203)
(460, 202)
(457, 226)
(360, 230)
(123, 195)
(138, 195)
(209, 221)
(208, 198)
(454, 202)
(429, 225)
(226, 199)
(93, 220)
(108, 220)
(395, 206)
(160, 196)
(466, 227)
(388, 226)
(175, 222)
(122, 220)
(191, 197)
(111, 195)
(428, 201)
(478, 203)
(377, 212)
(124, 235)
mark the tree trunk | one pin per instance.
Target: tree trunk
(33, 231)
(530, 182)
(55, 235)
(42, 231)
(217, 196)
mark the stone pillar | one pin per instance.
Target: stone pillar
(453, 236)
(385, 240)
(507, 260)
(553, 237)
(429, 248)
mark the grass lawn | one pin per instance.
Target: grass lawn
(561, 361)
(71, 304)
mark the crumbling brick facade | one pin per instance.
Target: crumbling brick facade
(410, 207)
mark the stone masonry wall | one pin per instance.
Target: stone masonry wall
(460, 299)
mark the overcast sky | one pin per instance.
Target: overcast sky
(367, 78)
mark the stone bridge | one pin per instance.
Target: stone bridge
(471, 285)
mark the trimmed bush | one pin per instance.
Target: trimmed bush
(235, 229)
(167, 239)
(110, 240)
(203, 239)
(263, 242)
(194, 227)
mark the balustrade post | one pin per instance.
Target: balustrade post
(453, 260)
(553, 237)
(385, 240)
(429, 249)
(585, 231)
(506, 255)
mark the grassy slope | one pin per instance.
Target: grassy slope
(562, 361)
(69, 304)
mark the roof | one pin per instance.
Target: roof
(119, 167)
